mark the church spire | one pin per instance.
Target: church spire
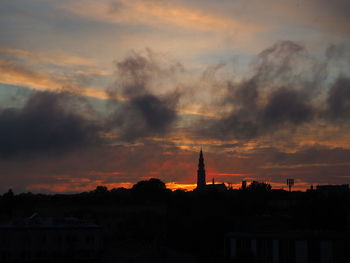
(201, 172)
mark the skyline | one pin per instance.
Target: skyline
(114, 92)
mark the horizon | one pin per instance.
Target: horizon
(173, 186)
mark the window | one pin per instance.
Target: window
(314, 252)
(286, 251)
(264, 249)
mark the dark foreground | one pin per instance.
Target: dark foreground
(150, 223)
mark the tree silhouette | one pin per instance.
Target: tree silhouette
(259, 186)
(152, 189)
(8, 195)
(152, 184)
(101, 189)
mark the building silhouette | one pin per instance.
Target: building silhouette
(201, 178)
(344, 188)
(201, 181)
(46, 239)
(287, 247)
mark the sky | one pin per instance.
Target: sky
(112, 92)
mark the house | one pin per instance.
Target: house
(287, 247)
(49, 239)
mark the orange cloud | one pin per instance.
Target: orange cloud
(32, 69)
(101, 173)
(156, 13)
(19, 75)
(82, 171)
(15, 74)
(38, 57)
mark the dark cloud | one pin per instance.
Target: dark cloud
(284, 92)
(338, 100)
(58, 122)
(138, 72)
(46, 124)
(286, 106)
(314, 164)
(143, 116)
(143, 113)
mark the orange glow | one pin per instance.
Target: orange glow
(18, 75)
(298, 186)
(230, 174)
(174, 186)
(76, 186)
(155, 13)
(100, 173)
(38, 57)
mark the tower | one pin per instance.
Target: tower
(290, 183)
(201, 172)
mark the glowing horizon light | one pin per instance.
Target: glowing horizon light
(176, 186)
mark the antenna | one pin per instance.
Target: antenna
(290, 183)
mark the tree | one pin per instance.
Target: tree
(259, 186)
(101, 189)
(152, 184)
(9, 194)
(152, 189)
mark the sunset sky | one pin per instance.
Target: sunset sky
(112, 92)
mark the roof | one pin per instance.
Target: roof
(36, 221)
(218, 187)
(298, 235)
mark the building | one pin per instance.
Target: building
(49, 239)
(287, 247)
(201, 178)
(344, 188)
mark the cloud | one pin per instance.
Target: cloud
(116, 165)
(14, 73)
(285, 92)
(19, 74)
(142, 104)
(322, 15)
(159, 14)
(86, 167)
(47, 124)
(314, 164)
(49, 71)
(39, 57)
(144, 112)
(286, 106)
(334, 17)
(144, 116)
(338, 101)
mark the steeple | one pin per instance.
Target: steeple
(201, 172)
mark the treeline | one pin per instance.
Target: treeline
(152, 190)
